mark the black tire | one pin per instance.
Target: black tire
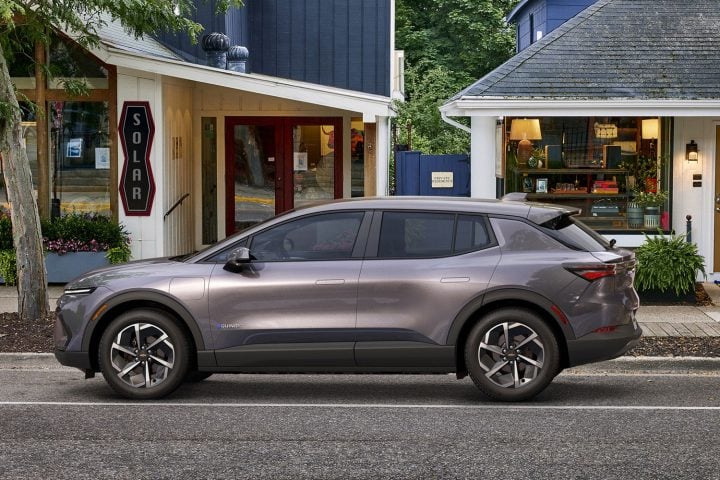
(193, 376)
(165, 364)
(522, 373)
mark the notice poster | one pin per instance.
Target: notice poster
(300, 161)
(74, 148)
(102, 158)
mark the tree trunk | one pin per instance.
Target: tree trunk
(31, 276)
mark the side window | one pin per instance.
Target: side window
(519, 236)
(318, 237)
(471, 233)
(416, 234)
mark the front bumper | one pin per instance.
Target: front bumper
(79, 360)
(596, 347)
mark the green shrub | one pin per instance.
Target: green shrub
(668, 262)
(8, 269)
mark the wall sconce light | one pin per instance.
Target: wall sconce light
(524, 130)
(691, 151)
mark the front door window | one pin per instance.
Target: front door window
(313, 163)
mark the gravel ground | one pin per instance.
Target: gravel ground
(36, 336)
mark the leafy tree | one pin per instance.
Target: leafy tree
(26, 25)
(448, 45)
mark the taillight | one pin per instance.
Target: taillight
(593, 271)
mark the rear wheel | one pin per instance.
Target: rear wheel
(512, 354)
(143, 354)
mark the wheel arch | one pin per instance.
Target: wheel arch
(505, 298)
(140, 299)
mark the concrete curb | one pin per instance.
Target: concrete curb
(622, 365)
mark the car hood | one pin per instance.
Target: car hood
(102, 277)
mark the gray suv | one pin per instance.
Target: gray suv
(507, 292)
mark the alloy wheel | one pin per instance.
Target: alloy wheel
(142, 355)
(511, 354)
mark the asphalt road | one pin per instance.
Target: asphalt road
(55, 424)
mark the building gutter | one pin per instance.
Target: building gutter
(455, 124)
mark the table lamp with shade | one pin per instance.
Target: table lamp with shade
(650, 131)
(524, 130)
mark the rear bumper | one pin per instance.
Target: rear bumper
(79, 360)
(596, 347)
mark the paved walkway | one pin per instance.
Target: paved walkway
(665, 321)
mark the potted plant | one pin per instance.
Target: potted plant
(74, 244)
(652, 202)
(668, 267)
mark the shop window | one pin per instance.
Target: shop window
(67, 60)
(615, 169)
(80, 157)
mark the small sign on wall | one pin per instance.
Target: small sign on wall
(442, 179)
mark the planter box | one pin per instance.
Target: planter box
(63, 268)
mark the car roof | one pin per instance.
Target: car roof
(461, 204)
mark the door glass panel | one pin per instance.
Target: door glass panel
(416, 234)
(318, 237)
(255, 165)
(313, 163)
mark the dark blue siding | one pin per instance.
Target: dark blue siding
(338, 43)
(548, 15)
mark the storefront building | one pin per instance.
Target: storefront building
(612, 113)
(185, 153)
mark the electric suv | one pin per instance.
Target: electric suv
(507, 292)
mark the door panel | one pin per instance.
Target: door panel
(716, 206)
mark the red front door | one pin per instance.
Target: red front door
(274, 164)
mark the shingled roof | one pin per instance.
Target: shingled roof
(617, 49)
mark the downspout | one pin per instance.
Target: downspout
(454, 123)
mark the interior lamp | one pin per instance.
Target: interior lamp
(650, 131)
(691, 151)
(524, 130)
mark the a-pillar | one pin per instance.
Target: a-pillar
(482, 157)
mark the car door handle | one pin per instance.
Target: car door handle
(454, 279)
(330, 281)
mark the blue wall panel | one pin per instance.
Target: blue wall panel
(414, 174)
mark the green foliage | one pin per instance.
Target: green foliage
(448, 45)
(668, 262)
(85, 228)
(649, 199)
(119, 254)
(8, 269)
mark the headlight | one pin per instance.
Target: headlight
(79, 291)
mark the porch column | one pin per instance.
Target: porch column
(482, 157)
(382, 157)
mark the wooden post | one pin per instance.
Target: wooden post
(370, 159)
(43, 161)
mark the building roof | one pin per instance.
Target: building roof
(120, 48)
(511, 16)
(615, 50)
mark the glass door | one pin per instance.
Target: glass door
(316, 160)
(253, 164)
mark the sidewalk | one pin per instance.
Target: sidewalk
(664, 321)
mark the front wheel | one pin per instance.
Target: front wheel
(512, 354)
(143, 355)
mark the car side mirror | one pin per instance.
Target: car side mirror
(238, 259)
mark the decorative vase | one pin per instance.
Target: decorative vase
(651, 219)
(635, 214)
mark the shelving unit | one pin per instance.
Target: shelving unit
(602, 216)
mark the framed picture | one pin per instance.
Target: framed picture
(541, 185)
(527, 185)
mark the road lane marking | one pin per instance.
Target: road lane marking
(361, 405)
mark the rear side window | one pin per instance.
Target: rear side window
(576, 234)
(430, 234)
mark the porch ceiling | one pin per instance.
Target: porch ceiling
(641, 56)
